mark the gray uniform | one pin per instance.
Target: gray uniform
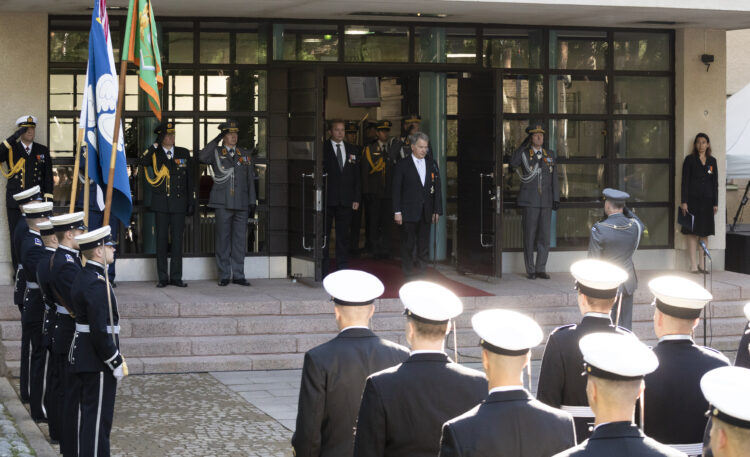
(615, 239)
(232, 196)
(539, 190)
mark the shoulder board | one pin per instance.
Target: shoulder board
(69, 258)
(563, 328)
(716, 351)
(37, 241)
(100, 277)
(623, 330)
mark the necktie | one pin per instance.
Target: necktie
(169, 154)
(28, 149)
(339, 156)
(231, 152)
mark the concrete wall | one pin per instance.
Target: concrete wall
(23, 52)
(738, 63)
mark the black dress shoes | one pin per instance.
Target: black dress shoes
(223, 282)
(242, 282)
(161, 284)
(542, 275)
(178, 283)
(531, 275)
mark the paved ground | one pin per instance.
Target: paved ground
(12, 441)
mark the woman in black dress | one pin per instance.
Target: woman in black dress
(700, 196)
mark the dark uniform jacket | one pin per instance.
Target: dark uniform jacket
(234, 177)
(377, 183)
(22, 228)
(37, 170)
(412, 199)
(94, 350)
(404, 407)
(32, 252)
(620, 439)
(697, 183)
(508, 423)
(66, 264)
(344, 186)
(181, 191)
(674, 404)
(539, 186)
(44, 277)
(333, 377)
(743, 352)
(615, 239)
(560, 380)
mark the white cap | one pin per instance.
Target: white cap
(679, 297)
(430, 302)
(353, 287)
(27, 194)
(38, 209)
(28, 119)
(95, 238)
(597, 278)
(68, 221)
(747, 310)
(727, 389)
(506, 332)
(617, 356)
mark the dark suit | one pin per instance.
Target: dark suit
(32, 320)
(508, 423)
(417, 203)
(743, 351)
(333, 378)
(343, 189)
(19, 291)
(51, 379)
(674, 403)
(560, 380)
(620, 439)
(404, 407)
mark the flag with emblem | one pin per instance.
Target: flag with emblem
(141, 47)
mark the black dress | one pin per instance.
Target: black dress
(700, 190)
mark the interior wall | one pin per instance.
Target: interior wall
(337, 102)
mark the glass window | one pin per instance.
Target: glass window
(514, 132)
(179, 93)
(642, 95)
(657, 225)
(451, 177)
(68, 46)
(376, 44)
(523, 94)
(578, 50)
(635, 139)
(451, 108)
(234, 90)
(249, 135)
(645, 182)
(62, 178)
(512, 48)
(578, 139)
(576, 94)
(573, 226)
(440, 45)
(306, 42)
(581, 182)
(179, 47)
(641, 51)
(65, 90)
(131, 92)
(62, 136)
(214, 47)
(251, 48)
(451, 143)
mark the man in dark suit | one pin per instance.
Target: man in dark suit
(674, 406)
(615, 364)
(417, 203)
(172, 198)
(743, 351)
(728, 391)
(334, 373)
(341, 165)
(510, 421)
(404, 407)
(560, 382)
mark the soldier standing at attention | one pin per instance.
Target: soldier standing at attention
(334, 373)
(727, 389)
(233, 198)
(172, 198)
(539, 195)
(377, 179)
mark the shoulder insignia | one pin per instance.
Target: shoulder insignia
(593, 228)
(100, 277)
(69, 258)
(37, 241)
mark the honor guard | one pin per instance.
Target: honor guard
(743, 352)
(615, 365)
(172, 198)
(404, 407)
(29, 165)
(616, 239)
(334, 373)
(402, 148)
(233, 197)
(509, 421)
(560, 381)
(538, 196)
(727, 389)
(94, 354)
(351, 130)
(674, 404)
(377, 178)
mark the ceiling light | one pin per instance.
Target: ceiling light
(391, 14)
(357, 32)
(312, 40)
(460, 56)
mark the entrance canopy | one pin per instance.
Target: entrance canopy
(738, 135)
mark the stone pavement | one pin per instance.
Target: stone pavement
(12, 441)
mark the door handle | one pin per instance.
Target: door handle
(482, 235)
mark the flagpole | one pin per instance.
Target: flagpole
(74, 186)
(86, 189)
(115, 141)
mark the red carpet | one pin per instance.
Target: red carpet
(390, 273)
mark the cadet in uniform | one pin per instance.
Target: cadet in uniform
(538, 196)
(402, 146)
(334, 373)
(377, 178)
(66, 264)
(172, 198)
(560, 381)
(615, 366)
(233, 197)
(351, 130)
(95, 355)
(510, 422)
(674, 407)
(29, 165)
(743, 351)
(616, 239)
(727, 389)
(404, 407)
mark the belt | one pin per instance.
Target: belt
(31, 285)
(61, 309)
(84, 328)
(689, 449)
(578, 411)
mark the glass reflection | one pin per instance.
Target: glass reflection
(648, 139)
(644, 182)
(642, 51)
(512, 48)
(376, 44)
(578, 50)
(578, 139)
(577, 94)
(523, 94)
(642, 95)
(580, 182)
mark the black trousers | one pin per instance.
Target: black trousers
(50, 384)
(97, 408)
(379, 220)
(343, 217)
(536, 223)
(415, 247)
(33, 323)
(25, 360)
(14, 215)
(354, 229)
(68, 401)
(169, 225)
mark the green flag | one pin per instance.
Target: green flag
(142, 48)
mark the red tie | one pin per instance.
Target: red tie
(28, 149)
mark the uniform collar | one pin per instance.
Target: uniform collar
(514, 393)
(50, 249)
(505, 388)
(30, 146)
(95, 265)
(599, 316)
(34, 232)
(427, 351)
(428, 356)
(71, 250)
(622, 429)
(676, 338)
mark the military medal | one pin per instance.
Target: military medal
(710, 169)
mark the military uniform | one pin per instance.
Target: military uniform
(538, 196)
(232, 197)
(50, 384)
(172, 198)
(743, 351)
(727, 389)
(620, 439)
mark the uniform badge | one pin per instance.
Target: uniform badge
(69, 258)
(352, 158)
(37, 241)
(710, 169)
(98, 276)
(40, 157)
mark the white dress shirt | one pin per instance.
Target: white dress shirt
(421, 167)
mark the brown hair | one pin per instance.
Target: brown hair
(430, 331)
(708, 150)
(333, 122)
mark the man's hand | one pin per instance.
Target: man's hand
(684, 209)
(218, 138)
(355, 206)
(435, 218)
(398, 219)
(716, 209)
(16, 135)
(118, 374)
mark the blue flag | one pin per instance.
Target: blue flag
(98, 115)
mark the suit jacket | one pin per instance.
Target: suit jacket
(674, 404)
(412, 199)
(539, 185)
(560, 380)
(404, 407)
(508, 423)
(620, 439)
(181, 192)
(44, 278)
(333, 377)
(699, 182)
(37, 170)
(344, 186)
(234, 178)
(743, 352)
(616, 239)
